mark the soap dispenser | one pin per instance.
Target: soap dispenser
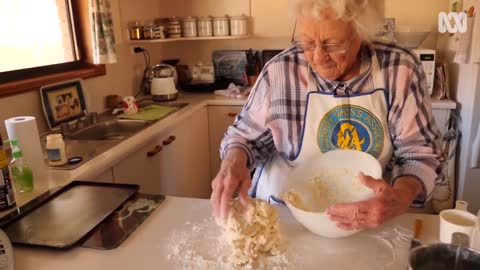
(21, 172)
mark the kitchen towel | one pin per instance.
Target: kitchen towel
(25, 130)
(149, 113)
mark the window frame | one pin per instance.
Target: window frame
(21, 81)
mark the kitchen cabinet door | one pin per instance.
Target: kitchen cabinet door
(143, 167)
(186, 158)
(219, 118)
(105, 177)
(176, 163)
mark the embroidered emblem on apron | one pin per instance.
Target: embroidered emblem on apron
(351, 127)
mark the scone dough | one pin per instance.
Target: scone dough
(252, 229)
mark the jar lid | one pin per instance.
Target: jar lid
(190, 19)
(54, 137)
(220, 18)
(239, 17)
(205, 18)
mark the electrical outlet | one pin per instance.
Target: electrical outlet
(132, 50)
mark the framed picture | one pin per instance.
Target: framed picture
(63, 102)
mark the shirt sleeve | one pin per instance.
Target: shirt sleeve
(249, 131)
(415, 137)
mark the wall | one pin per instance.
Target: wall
(119, 80)
(123, 78)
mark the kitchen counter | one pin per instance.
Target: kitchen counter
(100, 163)
(147, 247)
(109, 158)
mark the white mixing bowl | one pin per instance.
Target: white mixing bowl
(335, 173)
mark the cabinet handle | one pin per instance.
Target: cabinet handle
(154, 151)
(169, 140)
(232, 114)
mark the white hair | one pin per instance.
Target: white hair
(361, 13)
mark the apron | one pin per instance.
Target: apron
(357, 122)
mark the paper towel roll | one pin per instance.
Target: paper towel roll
(25, 130)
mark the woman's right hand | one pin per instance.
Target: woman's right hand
(233, 176)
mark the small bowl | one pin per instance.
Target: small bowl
(338, 170)
(410, 39)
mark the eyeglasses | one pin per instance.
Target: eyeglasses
(326, 47)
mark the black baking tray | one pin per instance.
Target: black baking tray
(60, 218)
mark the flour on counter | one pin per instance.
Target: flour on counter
(203, 245)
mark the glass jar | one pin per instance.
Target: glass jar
(189, 27)
(238, 25)
(221, 26)
(56, 150)
(204, 26)
(148, 31)
(136, 31)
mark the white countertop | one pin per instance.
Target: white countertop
(147, 247)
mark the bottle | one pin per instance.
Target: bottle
(21, 172)
(7, 197)
(56, 150)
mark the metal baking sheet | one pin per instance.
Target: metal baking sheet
(70, 213)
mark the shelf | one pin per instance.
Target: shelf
(186, 39)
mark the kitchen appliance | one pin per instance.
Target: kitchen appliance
(43, 221)
(163, 83)
(7, 261)
(203, 73)
(427, 57)
(465, 84)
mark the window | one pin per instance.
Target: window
(41, 42)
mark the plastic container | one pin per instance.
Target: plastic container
(238, 25)
(21, 172)
(205, 27)
(221, 26)
(7, 196)
(189, 27)
(56, 150)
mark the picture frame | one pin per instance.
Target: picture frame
(63, 102)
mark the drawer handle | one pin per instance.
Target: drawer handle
(169, 140)
(154, 151)
(232, 114)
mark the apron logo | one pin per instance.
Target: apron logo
(351, 127)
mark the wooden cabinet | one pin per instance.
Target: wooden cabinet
(219, 118)
(176, 163)
(105, 177)
(143, 167)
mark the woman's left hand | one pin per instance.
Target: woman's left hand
(388, 202)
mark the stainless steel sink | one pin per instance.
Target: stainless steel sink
(115, 129)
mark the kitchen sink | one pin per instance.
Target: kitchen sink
(119, 129)
(115, 129)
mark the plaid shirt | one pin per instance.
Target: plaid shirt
(273, 116)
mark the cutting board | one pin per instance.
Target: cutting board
(384, 248)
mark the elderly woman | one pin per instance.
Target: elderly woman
(335, 88)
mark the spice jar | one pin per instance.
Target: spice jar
(136, 31)
(174, 28)
(204, 26)
(189, 27)
(56, 150)
(238, 25)
(221, 26)
(148, 31)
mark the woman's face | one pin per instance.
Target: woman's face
(340, 65)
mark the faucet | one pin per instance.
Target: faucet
(67, 128)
